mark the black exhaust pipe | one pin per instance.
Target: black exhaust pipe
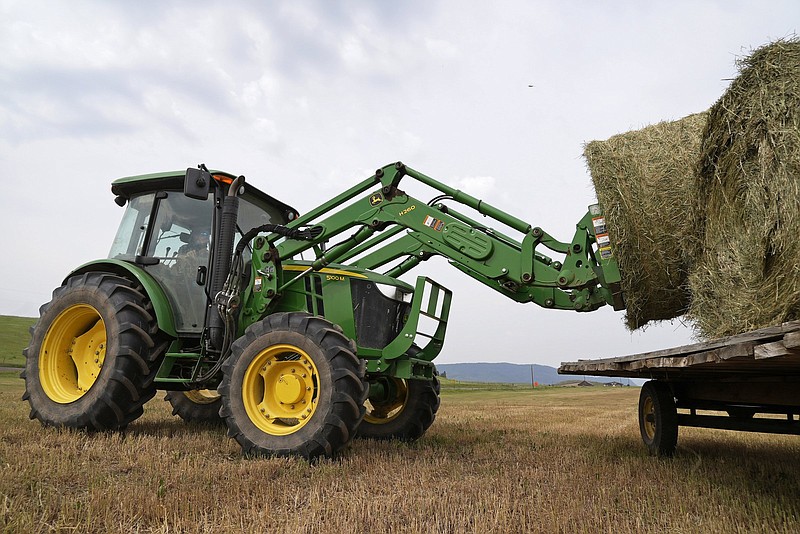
(223, 250)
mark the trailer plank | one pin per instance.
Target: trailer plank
(772, 351)
(792, 340)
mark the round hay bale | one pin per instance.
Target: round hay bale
(746, 272)
(645, 181)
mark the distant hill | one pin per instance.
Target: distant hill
(512, 373)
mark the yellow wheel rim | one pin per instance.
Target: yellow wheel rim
(280, 389)
(649, 418)
(202, 396)
(386, 410)
(72, 353)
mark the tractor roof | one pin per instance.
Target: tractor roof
(129, 186)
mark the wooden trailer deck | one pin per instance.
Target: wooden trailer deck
(773, 351)
(748, 382)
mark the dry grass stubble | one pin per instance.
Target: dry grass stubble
(553, 460)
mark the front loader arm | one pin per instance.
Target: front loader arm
(375, 212)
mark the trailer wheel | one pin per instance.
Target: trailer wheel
(196, 406)
(90, 362)
(658, 418)
(293, 386)
(402, 409)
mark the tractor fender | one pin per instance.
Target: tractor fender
(164, 317)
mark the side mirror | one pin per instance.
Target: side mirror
(197, 184)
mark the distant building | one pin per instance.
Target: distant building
(585, 383)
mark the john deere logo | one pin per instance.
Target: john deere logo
(375, 199)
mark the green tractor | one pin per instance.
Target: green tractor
(207, 294)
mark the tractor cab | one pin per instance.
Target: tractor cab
(171, 235)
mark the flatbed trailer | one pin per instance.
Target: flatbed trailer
(748, 382)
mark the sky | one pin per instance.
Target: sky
(307, 98)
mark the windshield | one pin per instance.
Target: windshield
(182, 226)
(130, 235)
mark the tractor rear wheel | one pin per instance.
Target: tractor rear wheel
(293, 386)
(196, 406)
(90, 362)
(401, 409)
(658, 418)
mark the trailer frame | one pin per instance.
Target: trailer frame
(748, 382)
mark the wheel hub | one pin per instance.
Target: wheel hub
(280, 389)
(289, 389)
(72, 353)
(388, 398)
(649, 418)
(202, 396)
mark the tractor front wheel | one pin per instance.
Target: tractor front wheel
(400, 409)
(90, 362)
(293, 386)
(196, 406)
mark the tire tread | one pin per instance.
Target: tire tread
(130, 369)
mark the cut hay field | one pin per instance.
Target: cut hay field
(550, 460)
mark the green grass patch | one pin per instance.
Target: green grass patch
(453, 386)
(14, 337)
(456, 387)
(10, 380)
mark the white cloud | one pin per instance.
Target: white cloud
(477, 186)
(441, 49)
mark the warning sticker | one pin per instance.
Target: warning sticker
(431, 222)
(603, 241)
(599, 225)
(606, 253)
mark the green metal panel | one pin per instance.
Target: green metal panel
(467, 240)
(338, 302)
